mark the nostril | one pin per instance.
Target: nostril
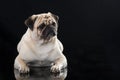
(53, 33)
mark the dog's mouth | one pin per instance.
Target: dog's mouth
(47, 32)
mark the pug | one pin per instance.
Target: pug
(39, 46)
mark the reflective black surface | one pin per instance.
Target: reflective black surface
(41, 74)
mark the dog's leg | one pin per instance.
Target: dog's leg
(21, 65)
(59, 63)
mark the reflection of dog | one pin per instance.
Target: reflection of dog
(39, 46)
(41, 74)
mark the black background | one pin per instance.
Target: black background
(88, 29)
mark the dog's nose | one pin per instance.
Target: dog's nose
(52, 32)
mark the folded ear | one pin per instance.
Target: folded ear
(30, 21)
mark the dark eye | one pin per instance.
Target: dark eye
(42, 26)
(53, 23)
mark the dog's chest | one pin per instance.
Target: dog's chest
(41, 52)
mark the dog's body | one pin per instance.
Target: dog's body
(40, 47)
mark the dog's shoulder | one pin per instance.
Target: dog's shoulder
(23, 40)
(60, 45)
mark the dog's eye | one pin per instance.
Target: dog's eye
(53, 23)
(42, 26)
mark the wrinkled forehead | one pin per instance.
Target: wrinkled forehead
(45, 18)
(44, 15)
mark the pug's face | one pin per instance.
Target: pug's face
(43, 26)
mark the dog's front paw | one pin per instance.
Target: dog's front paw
(24, 69)
(56, 68)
